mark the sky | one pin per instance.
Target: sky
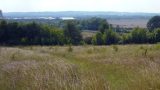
(150, 6)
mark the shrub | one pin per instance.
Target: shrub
(139, 35)
(70, 49)
(115, 48)
(110, 37)
(157, 35)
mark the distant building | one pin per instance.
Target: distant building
(1, 15)
(67, 18)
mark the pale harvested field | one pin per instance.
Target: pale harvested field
(116, 67)
(129, 23)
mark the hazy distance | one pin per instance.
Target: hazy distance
(150, 6)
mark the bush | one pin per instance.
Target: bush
(157, 35)
(151, 37)
(98, 39)
(139, 35)
(126, 38)
(88, 40)
(110, 37)
(70, 49)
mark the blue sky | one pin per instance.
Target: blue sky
(80, 5)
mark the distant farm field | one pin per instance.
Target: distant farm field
(115, 67)
(129, 23)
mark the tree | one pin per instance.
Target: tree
(139, 35)
(88, 40)
(157, 34)
(151, 37)
(118, 29)
(13, 33)
(126, 38)
(3, 31)
(94, 23)
(103, 26)
(110, 37)
(153, 23)
(94, 40)
(71, 33)
(32, 32)
(98, 39)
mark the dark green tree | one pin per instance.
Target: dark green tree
(139, 35)
(153, 23)
(72, 34)
(103, 26)
(151, 37)
(3, 32)
(157, 34)
(110, 37)
(98, 39)
(13, 33)
(93, 23)
(126, 38)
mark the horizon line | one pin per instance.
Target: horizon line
(78, 11)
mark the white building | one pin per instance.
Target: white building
(67, 18)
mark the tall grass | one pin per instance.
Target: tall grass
(117, 67)
(45, 74)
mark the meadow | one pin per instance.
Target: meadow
(115, 67)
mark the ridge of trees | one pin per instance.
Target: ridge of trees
(14, 33)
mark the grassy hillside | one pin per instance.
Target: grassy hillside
(116, 67)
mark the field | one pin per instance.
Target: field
(129, 23)
(88, 33)
(115, 67)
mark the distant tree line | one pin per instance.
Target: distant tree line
(92, 23)
(136, 36)
(14, 33)
(82, 24)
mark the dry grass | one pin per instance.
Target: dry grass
(117, 67)
(35, 69)
(88, 33)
